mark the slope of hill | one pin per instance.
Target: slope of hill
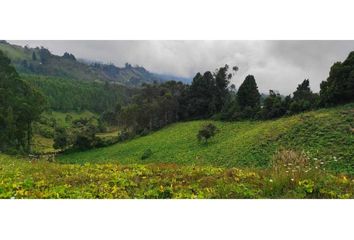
(325, 136)
(41, 61)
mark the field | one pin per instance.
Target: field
(325, 135)
(304, 156)
(21, 178)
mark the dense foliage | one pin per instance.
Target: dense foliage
(74, 95)
(339, 86)
(20, 105)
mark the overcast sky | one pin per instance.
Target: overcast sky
(278, 65)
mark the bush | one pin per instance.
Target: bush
(147, 153)
(206, 132)
(125, 135)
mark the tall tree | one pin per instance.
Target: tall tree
(20, 105)
(339, 86)
(248, 95)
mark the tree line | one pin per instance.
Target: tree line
(210, 95)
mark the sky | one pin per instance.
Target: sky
(277, 65)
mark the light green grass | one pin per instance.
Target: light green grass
(236, 144)
(60, 117)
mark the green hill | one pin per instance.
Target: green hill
(325, 135)
(41, 61)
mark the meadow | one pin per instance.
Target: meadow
(325, 135)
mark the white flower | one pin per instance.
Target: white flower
(270, 180)
(292, 179)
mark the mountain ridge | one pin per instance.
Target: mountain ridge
(41, 61)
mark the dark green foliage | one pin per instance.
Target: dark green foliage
(303, 98)
(74, 95)
(206, 132)
(273, 106)
(207, 94)
(34, 57)
(84, 134)
(154, 107)
(20, 106)
(248, 97)
(61, 139)
(339, 86)
(147, 153)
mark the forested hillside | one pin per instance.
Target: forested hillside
(41, 61)
(64, 94)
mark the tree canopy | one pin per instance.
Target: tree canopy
(20, 105)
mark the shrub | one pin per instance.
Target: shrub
(147, 153)
(206, 132)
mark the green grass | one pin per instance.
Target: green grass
(323, 134)
(60, 116)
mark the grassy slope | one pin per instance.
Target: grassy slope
(325, 134)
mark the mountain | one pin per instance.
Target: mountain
(41, 61)
(167, 77)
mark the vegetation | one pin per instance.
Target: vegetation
(322, 134)
(265, 147)
(73, 95)
(41, 179)
(339, 87)
(206, 132)
(40, 61)
(20, 106)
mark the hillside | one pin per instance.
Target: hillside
(41, 61)
(325, 136)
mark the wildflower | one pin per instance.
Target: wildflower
(286, 171)
(315, 159)
(292, 179)
(270, 180)
(322, 163)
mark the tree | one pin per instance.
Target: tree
(273, 106)
(339, 86)
(34, 57)
(20, 105)
(84, 134)
(61, 139)
(303, 98)
(206, 132)
(222, 81)
(248, 96)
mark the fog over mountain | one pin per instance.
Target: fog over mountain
(279, 65)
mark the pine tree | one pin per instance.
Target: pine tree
(248, 95)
